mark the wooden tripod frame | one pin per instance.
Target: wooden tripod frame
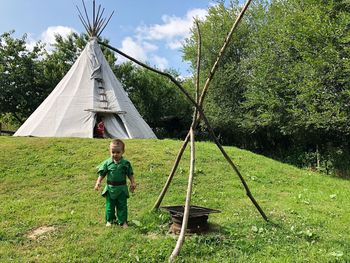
(197, 117)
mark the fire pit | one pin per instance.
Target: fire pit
(197, 219)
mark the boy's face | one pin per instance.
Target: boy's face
(116, 152)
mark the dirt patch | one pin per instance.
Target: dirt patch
(38, 232)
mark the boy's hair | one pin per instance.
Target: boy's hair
(118, 142)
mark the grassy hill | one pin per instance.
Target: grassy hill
(47, 184)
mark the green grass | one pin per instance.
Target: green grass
(49, 182)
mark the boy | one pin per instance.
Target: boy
(116, 191)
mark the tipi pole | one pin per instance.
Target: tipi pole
(94, 27)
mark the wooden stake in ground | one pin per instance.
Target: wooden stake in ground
(181, 238)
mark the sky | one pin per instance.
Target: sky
(149, 30)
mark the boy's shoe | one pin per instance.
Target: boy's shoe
(125, 225)
(108, 224)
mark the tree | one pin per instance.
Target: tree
(223, 102)
(284, 82)
(21, 87)
(156, 98)
(297, 86)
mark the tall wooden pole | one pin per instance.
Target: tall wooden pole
(181, 238)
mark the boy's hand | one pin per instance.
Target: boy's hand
(97, 186)
(132, 187)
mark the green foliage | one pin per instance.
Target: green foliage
(282, 87)
(49, 182)
(9, 122)
(157, 99)
(21, 86)
(296, 82)
(283, 83)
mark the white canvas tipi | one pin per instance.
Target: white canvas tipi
(89, 90)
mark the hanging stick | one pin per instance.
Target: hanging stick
(201, 100)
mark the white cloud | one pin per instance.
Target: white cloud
(173, 30)
(48, 36)
(170, 33)
(149, 46)
(160, 62)
(175, 44)
(142, 51)
(31, 42)
(136, 49)
(133, 49)
(172, 27)
(197, 13)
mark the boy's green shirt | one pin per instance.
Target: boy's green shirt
(116, 172)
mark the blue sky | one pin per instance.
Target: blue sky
(149, 30)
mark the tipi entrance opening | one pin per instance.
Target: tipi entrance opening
(104, 125)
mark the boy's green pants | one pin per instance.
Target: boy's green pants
(120, 205)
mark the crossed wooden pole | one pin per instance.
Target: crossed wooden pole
(198, 115)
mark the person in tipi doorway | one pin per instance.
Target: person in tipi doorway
(99, 130)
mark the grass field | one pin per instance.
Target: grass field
(47, 184)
